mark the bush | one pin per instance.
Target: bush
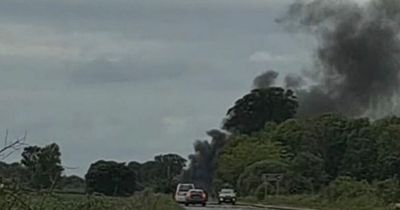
(250, 181)
(388, 190)
(347, 193)
(12, 199)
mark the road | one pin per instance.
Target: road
(221, 207)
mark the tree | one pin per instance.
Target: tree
(388, 150)
(250, 113)
(250, 181)
(15, 173)
(73, 182)
(44, 165)
(330, 132)
(360, 158)
(243, 151)
(110, 178)
(170, 166)
(306, 173)
(159, 174)
(149, 173)
(135, 167)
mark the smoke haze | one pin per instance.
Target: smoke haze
(265, 80)
(357, 59)
(203, 162)
(355, 73)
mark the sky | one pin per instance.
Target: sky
(129, 79)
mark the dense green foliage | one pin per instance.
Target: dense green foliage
(314, 153)
(250, 113)
(43, 164)
(160, 174)
(14, 172)
(110, 178)
(72, 183)
(243, 151)
(344, 193)
(343, 162)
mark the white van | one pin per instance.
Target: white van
(181, 191)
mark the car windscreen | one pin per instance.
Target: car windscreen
(185, 188)
(227, 191)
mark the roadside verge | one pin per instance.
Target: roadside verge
(272, 206)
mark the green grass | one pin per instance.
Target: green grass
(316, 202)
(46, 201)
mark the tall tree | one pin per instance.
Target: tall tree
(254, 110)
(171, 165)
(110, 178)
(44, 165)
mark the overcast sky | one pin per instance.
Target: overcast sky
(127, 79)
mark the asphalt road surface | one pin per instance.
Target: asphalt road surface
(220, 207)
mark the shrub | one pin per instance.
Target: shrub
(347, 193)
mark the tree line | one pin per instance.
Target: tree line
(314, 154)
(260, 134)
(40, 168)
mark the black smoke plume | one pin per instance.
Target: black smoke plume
(265, 80)
(203, 162)
(356, 67)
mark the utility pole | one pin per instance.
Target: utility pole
(265, 183)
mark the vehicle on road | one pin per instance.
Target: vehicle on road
(227, 196)
(196, 196)
(181, 192)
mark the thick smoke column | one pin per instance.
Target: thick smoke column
(357, 59)
(294, 81)
(265, 80)
(203, 162)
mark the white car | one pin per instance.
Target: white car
(227, 196)
(181, 192)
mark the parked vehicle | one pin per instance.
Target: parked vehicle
(196, 196)
(227, 196)
(181, 192)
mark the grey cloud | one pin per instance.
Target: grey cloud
(106, 71)
(129, 79)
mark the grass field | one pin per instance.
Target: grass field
(146, 201)
(316, 202)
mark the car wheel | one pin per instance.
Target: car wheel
(186, 204)
(203, 204)
(233, 203)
